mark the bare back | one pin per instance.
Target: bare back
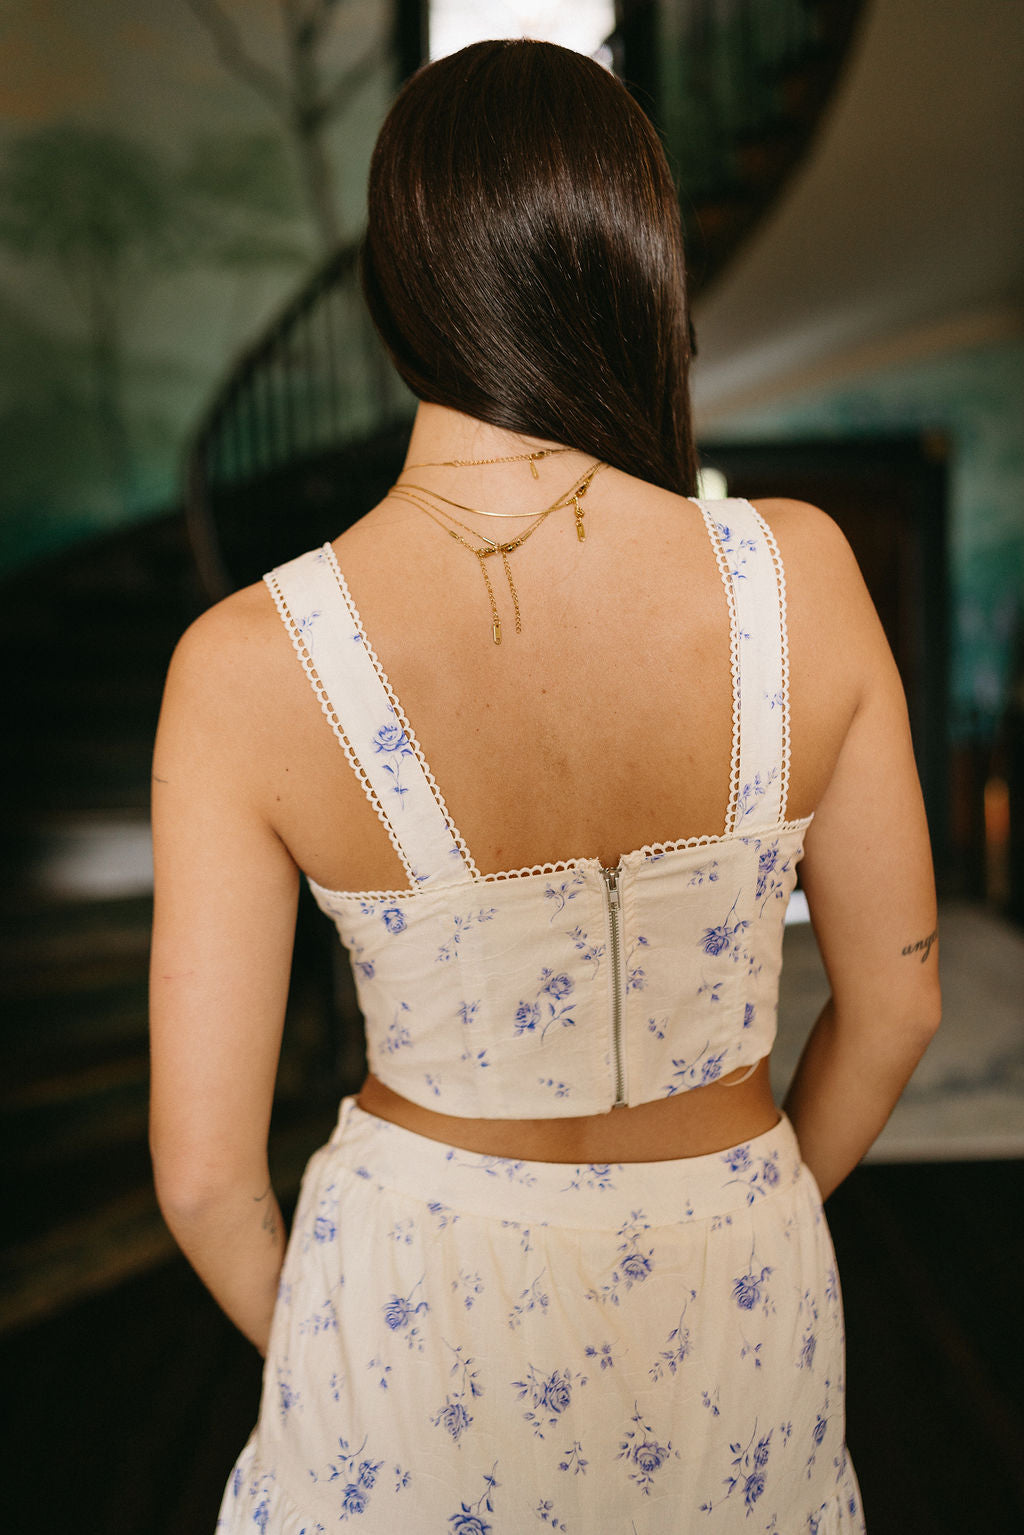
(606, 725)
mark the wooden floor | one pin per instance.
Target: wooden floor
(130, 1408)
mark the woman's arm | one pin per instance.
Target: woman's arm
(867, 873)
(226, 892)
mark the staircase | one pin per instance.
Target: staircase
(88, 638)
(737, 89)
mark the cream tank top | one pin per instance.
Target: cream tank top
(567, 988)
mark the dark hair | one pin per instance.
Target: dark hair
(524, 257)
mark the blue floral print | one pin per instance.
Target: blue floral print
(749, 1470)
(592, 1175)
(753, 792)
(634, 1264)
(567, 891)
(677, 1347)
(461, 924)
(469, 1520)
(546, 1514)
(393, 919)
(560, 1089)
(398, 1313)
(706, 874)
(748, 1290)
(359, 1473)
(322, 1320)
(642, 1452)
(574, 1460)
(602, 1353)
(305, 625)
(636, 978)
(533, 1298)
(556, 1394)
(398, 1036)
(454, 1415)
(391, 741)
(550, 1395)
(720, 940)
(591, 953)
(470, 1285)
(703, 1068)
(287, 1396)
(538, 1016)
(770, 871)
(760, 1175)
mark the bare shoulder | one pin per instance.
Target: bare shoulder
(230, 660)
(235, 637)
(805, 532)
(823, 579)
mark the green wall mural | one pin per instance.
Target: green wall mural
(975, 398)
(169, 171)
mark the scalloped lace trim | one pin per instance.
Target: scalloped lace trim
(650, 850)
(734, 662)
(401, 716)
(361, 895)
(332, 718)
(780, 579)
(658, 849)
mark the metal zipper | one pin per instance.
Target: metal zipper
(611, 885)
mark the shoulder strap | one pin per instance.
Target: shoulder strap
(748, 558)
(355, 695)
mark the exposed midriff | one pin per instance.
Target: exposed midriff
(691, 1124)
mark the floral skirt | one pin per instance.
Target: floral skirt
(469, 1345)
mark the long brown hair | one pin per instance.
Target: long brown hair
(524, 257)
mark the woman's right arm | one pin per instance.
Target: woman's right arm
(226, 891)
(867, 874)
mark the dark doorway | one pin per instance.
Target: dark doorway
(889, 497)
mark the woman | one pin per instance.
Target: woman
(562, 1262)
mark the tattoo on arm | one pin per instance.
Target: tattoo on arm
(923, 946)
(269, 1221)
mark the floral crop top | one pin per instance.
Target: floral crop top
(568, 988)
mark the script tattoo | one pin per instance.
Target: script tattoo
(923, 946)
(269, 1221)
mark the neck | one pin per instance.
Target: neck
(441, 435)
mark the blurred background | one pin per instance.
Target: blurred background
(190, 393)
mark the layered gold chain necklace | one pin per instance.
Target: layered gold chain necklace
(439, 509)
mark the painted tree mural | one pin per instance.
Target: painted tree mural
(305, 95)
(102, 209)
(112, 217)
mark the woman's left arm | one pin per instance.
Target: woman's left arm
(225, 901)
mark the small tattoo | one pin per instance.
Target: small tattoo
(269, 1221)
(158, 779)
(923, 946)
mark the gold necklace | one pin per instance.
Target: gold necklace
(478, 463)
(416, 496)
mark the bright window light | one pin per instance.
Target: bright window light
(583, 25)
(711, 485)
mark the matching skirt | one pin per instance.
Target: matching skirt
(468, 1345)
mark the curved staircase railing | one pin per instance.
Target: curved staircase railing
(310, 418)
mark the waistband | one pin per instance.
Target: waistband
(559, 1193)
